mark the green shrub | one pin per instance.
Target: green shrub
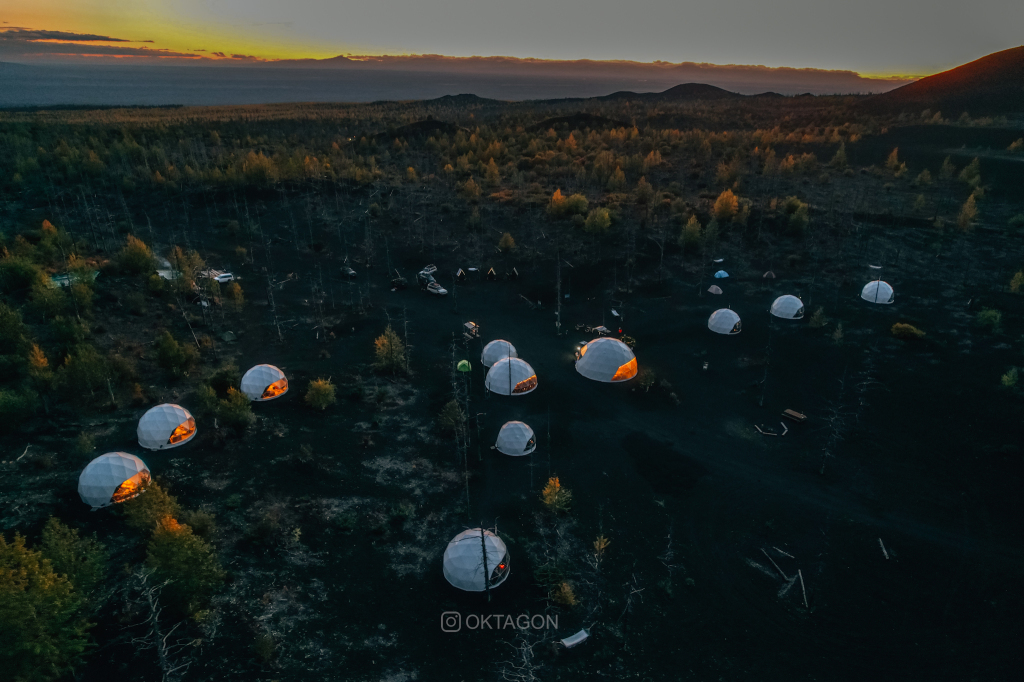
(41, 616)
(905, 331)
(389, 352)
(990, 318)
(143, 512)
(175, 358)
(203, 523)
(235, 410)
(1009, 380)
(135, 258)
(188, 562)
(321, 394)
(451, 418)
(82, 561)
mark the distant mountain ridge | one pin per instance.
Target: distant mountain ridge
(993, 84)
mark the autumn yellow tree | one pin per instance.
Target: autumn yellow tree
(389, 352)
(492, 175)
(726, 206)
(968, 212)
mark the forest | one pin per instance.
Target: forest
(305, 535)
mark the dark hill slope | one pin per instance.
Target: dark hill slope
(993, 84)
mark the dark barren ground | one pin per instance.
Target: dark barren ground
(924, 455)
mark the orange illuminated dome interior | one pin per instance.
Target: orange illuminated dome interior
(583, 350)
(275, 389)
(627, 371)
(130, 488)
(183, 431)
(526, 385)
(500, 570)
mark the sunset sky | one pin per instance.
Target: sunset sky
(872, 37)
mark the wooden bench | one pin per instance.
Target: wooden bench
(794, 415)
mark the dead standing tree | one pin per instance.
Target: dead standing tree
(143, 595)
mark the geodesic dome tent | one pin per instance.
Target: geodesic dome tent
(511, 376)
(516, 439)
(497, 350)
(788, 307)
(724, 321)
(721, 274)
(264, 382)
(112, 478)
(878, 292)
(715, 289)
(166, 426)
(608, 360)
(475, 560)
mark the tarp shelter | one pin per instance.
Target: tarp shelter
(166, 426)
(714, 289)
(516, 439)
(511, 376)
(475, 560)
(608, 360)
(264, 382)
(724, 321)
(497, 350)
(112, 478)
(788, 307)
(878, 292)
(721, 274)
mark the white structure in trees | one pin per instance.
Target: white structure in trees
(264, 382)
(112, 478)
(166, 426)
(516, 439)
(476, 560)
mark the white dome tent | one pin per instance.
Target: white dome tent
(724, 321)
(516, 439)
(112, 478)
(511, 376)
(499, 349)
(878, 292)
(472, 555)
(608, 360)
(788, 307)
(166, 426)
(264, 382)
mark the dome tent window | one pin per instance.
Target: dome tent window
(476, 560)
(516, 439)
(724, 321)
(878, 292)
(788, 308)
(264, 382)
(511, 376)
(608, 360)
(166, 426)
(499, 349)
(112, 478)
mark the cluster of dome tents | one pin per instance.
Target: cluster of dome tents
(119, 476)
(476, 559)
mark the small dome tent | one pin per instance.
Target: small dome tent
(724, 321)
(166, 426)
(511, 376)
(264, 382)
(608, 360)
(112, 478)
(788, 307)
(721, 274)
(516, 439)
(472, 555)
(715, 289)
(878, 292)
(497, 350)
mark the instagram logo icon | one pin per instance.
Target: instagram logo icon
(451, 621)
